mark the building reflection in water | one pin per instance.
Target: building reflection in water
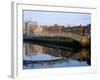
(48, 56)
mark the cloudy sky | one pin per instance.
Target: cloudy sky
(61, 18)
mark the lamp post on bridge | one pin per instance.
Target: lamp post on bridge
(84, 39)
(82, 30)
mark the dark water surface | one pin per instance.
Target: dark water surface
(42, 55)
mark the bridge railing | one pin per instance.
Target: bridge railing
(63, 34)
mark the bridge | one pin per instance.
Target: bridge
(65, 35)
(58, 38)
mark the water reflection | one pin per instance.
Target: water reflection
(39, 55)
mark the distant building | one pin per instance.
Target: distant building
(80, 30)
(56, 29)
(30, 27)
(44, 29)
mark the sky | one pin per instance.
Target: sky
(61, 18)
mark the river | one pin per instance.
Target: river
(41, 55)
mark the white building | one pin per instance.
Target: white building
(31, 28)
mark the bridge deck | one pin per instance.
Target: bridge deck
(67, 35)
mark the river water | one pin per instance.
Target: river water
(38, 56)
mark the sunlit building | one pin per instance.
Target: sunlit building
(30, 27)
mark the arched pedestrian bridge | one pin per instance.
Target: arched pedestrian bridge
(56, 35)
(69, 39)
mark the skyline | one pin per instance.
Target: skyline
(61, 18)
